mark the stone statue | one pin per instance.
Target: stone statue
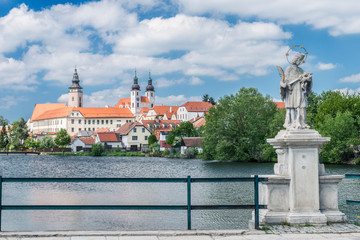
(295, 86)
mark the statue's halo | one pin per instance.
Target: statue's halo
(296, 48)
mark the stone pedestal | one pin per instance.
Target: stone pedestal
(299, 192)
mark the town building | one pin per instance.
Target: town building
(134, 135)
(192, 110)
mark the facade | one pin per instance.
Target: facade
(134, 135)
(110, 139)
(162, 113)
(80, 143)
(192, 110)
(136, 102)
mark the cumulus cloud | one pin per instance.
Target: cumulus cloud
(325, 66)
(348, 91)
(107, 97)
(8, 102)
(176, 100)
(353, 78)
(338, 17)
(164, 82)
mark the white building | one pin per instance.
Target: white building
(192, 110)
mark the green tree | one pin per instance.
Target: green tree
(62, 138)
(4, 140)
(18, 133)
(341, 130)
(152, 139)
(31, 143)
(3, 121)
(185, 129)
(237, 128)
(97, 149)
(47, 142)
(206, 98)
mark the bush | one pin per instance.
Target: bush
(118, 149)
(166, 152)
(97, 149)
(357, 161)
(189, 153)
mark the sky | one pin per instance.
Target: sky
(191, 48)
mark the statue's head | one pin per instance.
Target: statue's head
(298, 58)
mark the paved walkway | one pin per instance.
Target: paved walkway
(280, 232)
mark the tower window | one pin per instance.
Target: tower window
(137, 93)
(152, 94)
(73, 98)
(137, 104)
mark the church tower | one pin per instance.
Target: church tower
(150, 92)
(135, 96)
(75, 95)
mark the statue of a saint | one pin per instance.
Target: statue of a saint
(294, 88)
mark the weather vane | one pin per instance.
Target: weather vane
(296, 48)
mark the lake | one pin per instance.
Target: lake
(137, 193)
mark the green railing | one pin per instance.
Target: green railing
(352, 176)
(187, 207)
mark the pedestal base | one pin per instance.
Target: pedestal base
(304, 217)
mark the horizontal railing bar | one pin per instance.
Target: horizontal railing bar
(352, 202)
(170, 180)
(94, 180)
(244, 179)
(126, 207)
(352, 175)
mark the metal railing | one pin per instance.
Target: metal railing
(187, 207)
(352, 176)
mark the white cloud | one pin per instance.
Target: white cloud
(348, 91)
(101, 98)
(338, 17)
(176, 100)
(325, 66)
(8, 102)
(353, 78)
(196, 81)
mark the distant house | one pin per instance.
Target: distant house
(81, 143)
(134, 135)
(280, 105)
(192, 110)
(111, 139)
(162, 112)
(194, 142)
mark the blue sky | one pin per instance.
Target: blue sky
(191, 47)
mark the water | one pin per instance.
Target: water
(136, 193)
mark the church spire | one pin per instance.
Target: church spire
(135, 86)
(150, 87)
(75, 81)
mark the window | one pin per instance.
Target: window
(89, 129)
(72, 129)
(85, 121)
(152, 94)
(93, 121)
(72, 121)
(143, 130)
(72, 114)
(134, 129)
(98, 121)
(72, 98)
(77, 114)
(146, 137)
(102, 121)
(79, 121)
(118, 120)
(89, 121)
(79, 129)
(137, 93)
(111, 121)
(137, 104)
(118, 125)
(107, 121)
(134, 137)
(94, 129)
(132, 104)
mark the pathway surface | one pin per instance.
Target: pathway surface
(279, 232)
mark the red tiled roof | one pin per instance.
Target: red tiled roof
(87, 140)
(41, 108)
(53, 113)
(280, 105)
(105, 112)
(109, 137)
(163, 144)
(193, 141)
(162, 110)
(200, 121)
(124, 102)
(99, 130)
(126, 128)
(144, 110)
(197, 106)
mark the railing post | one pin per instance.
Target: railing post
(0, 200)
(189, 202)
(256, 198)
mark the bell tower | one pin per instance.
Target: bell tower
(150, 92)
(135, 96)
(75, 95)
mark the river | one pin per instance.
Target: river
(137, 193)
